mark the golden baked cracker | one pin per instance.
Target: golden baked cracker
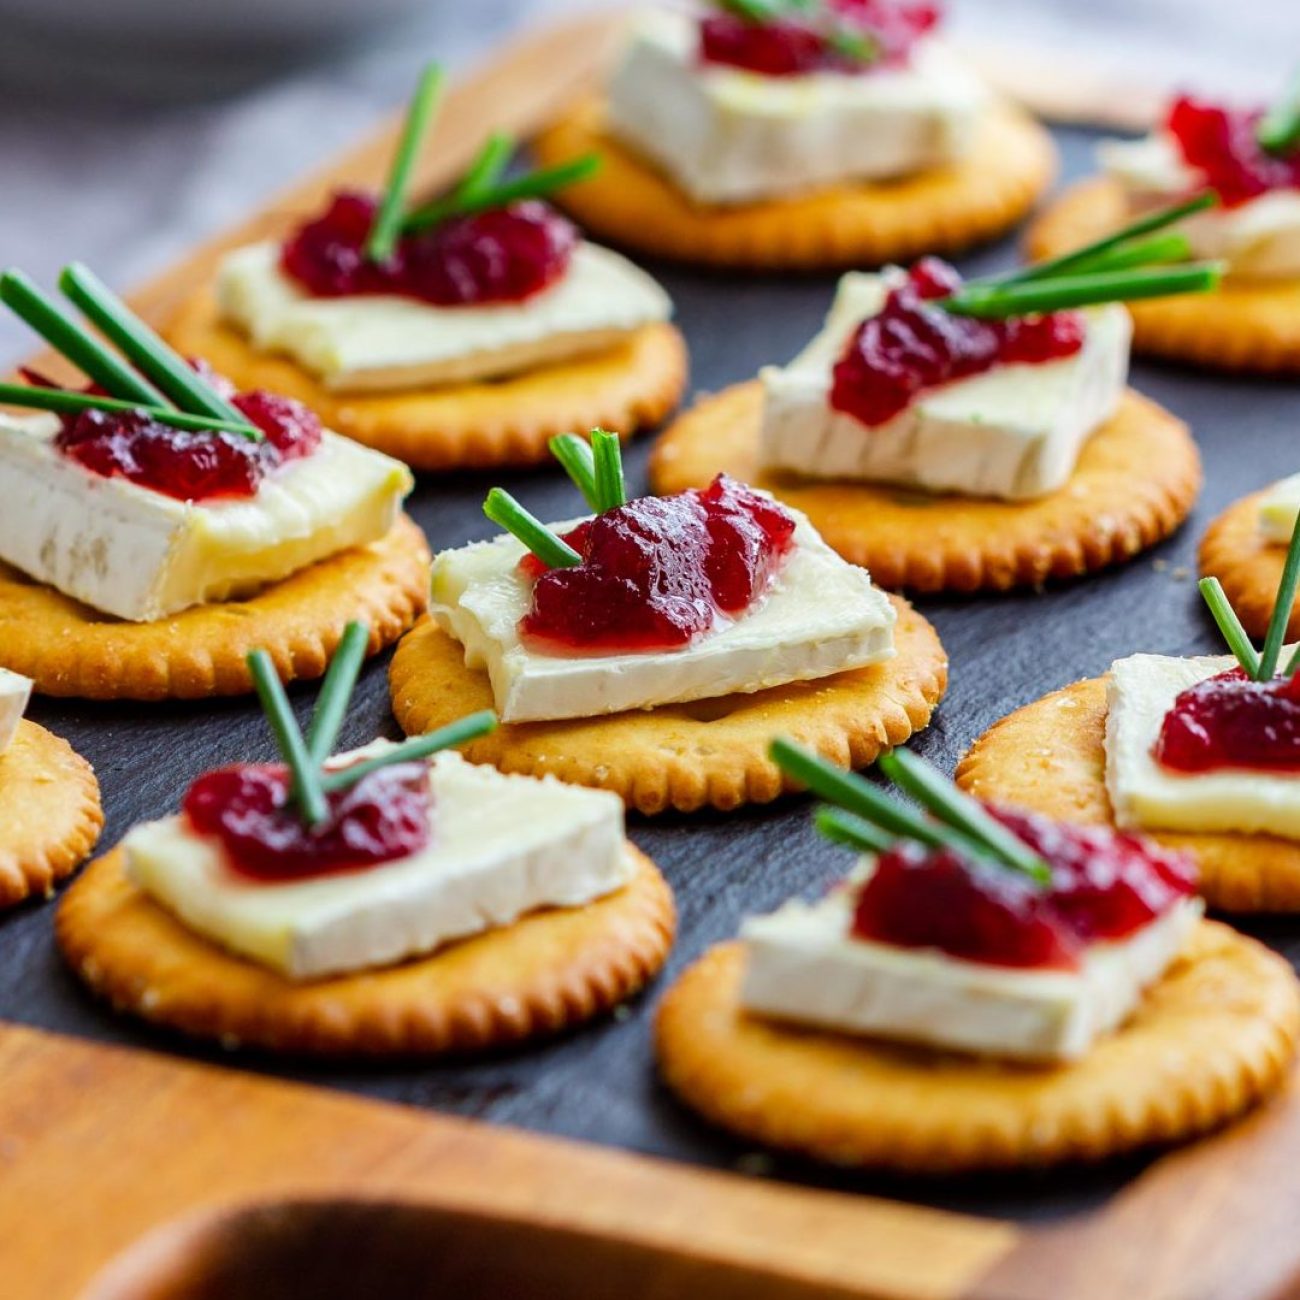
(1244, 325)
(1050, 757)
(853, 224)
(684, 756)
(70, 649)
(498, 422)
(547, 972)
(1135, 482)
(50, 815)
(1249, 566)
(1212, 1038)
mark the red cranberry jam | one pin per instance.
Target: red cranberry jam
(502, 255)
(913, 345)
(1231, 721)
(384, 816)
(191, 465)
(791, 47)
(1222, 145)
(657, 572)
(1105, 885)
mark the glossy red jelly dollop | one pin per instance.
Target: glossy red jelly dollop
(1232, 721)
(502, 255)
(795, 46)
(1221, 144)
(1105, 885)
(913, 345)
(192, 465)
(657, 572)
(384, 816)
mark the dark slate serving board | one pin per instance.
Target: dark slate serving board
(599, 1084)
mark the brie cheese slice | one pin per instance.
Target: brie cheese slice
(804, 965)
(502, 846)
(725, 135)
(1259, 240)
(821, 616)
(375, 343)
(15, 691)
(141, 555)
(1014, 432)
(1145, 795)
(1278, 510)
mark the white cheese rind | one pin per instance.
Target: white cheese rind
(725, 135)
(804, 965)
(1279, 509)
(1145, 795)
(502, 846)
(821, 616)
(15, 691)
(378, 342)
(1013, 433)
(1259, 239)
(141, 555)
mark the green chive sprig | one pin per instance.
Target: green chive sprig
(486, 170)
(844, 39)
(575, 455)
(1278, 131)
(60, 400)
(1259, 666)
(305, 757)
(955, 821)
(387, 225)
(607, 455)
(553, 551)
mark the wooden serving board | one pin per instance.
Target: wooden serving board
(139, 1166)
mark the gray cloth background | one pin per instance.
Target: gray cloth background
(126, 158)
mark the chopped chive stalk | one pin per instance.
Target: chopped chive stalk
(575, 455)
(72, 341)
(336, 691)
(1087, 256)
(454, 733)
(607, 453)
(65, 403)
(308, 793)
(1154, 250)
(943, 800)
(844, 828)
(1293, 664)
(1278, 131)
(151, 356)
(553, 551)
(534, 185)
(388, 220)
(858, 46)
(994, 302)
(1282, 607)
(1230, 626)
(485, 171)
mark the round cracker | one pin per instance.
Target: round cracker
(1249, 566)
(685, 756)
(485, 425)
(944, 210)
(546, 972)
(1050, 757)
(1211, 1039)
(50, 816)
(1244, 325)
(1135, 482)
(70, 649)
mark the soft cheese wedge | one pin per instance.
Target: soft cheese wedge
(1278, 510)
(141, 555)
(1143, 794)
(1014, 432)
(372, 343)
(15, 691)
(726, 135)
(821, 616)
(1259, 240)
(502, 846)
(804, 964)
